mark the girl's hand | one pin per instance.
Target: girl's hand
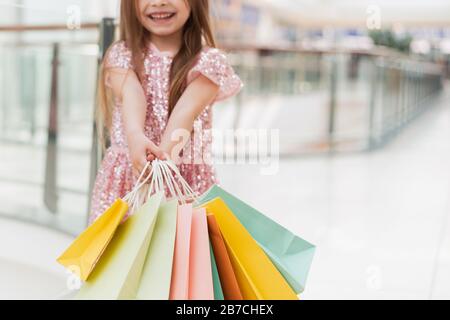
(163, 155)
(141, 151)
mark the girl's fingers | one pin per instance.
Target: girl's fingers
(155, 150)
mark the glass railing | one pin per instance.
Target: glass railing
(47, 90)
(332, 101)
(401, 90)
(320, 101)
(42, 179)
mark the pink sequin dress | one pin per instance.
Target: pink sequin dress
(115, 179)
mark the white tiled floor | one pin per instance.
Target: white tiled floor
(380, 220)
(28, 269)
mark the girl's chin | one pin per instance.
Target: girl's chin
(162, 32)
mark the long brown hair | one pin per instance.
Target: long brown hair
(196, 32)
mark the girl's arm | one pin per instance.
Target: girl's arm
(126, 87)
(198, 95)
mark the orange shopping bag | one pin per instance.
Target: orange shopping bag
(227, 276)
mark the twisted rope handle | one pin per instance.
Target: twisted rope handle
(186, 187)
(133, 197)
(156, 183)
(164, 173)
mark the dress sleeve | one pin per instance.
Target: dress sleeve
(118, 56)
(214, 65)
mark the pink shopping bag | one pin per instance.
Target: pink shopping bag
(179, 286)
(201, 285)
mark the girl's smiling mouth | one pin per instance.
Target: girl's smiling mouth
(161, 16)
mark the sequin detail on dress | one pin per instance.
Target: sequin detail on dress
(115, 179)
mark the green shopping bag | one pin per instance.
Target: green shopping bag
(118, 272)
(289, 253)
(157, 271)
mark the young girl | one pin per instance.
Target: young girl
(163, 76)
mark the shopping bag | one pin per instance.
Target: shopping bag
(179, 287)
(227, 275)
(117, 274)
(258, 278)
(289, 253)
(83, 254)
(201, 285)
(157, 270)
(218, 292)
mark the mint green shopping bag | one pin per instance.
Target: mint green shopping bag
(118, 272)
(218, 292)
(157, 271)
(289, 253)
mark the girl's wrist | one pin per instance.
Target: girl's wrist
(135, 133)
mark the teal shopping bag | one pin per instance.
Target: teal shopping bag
(289, 253)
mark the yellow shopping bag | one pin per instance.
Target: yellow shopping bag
(83, 254)
(258, 278)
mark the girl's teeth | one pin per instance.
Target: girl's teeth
(161, 16)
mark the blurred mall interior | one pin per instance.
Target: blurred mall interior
(360, 94)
